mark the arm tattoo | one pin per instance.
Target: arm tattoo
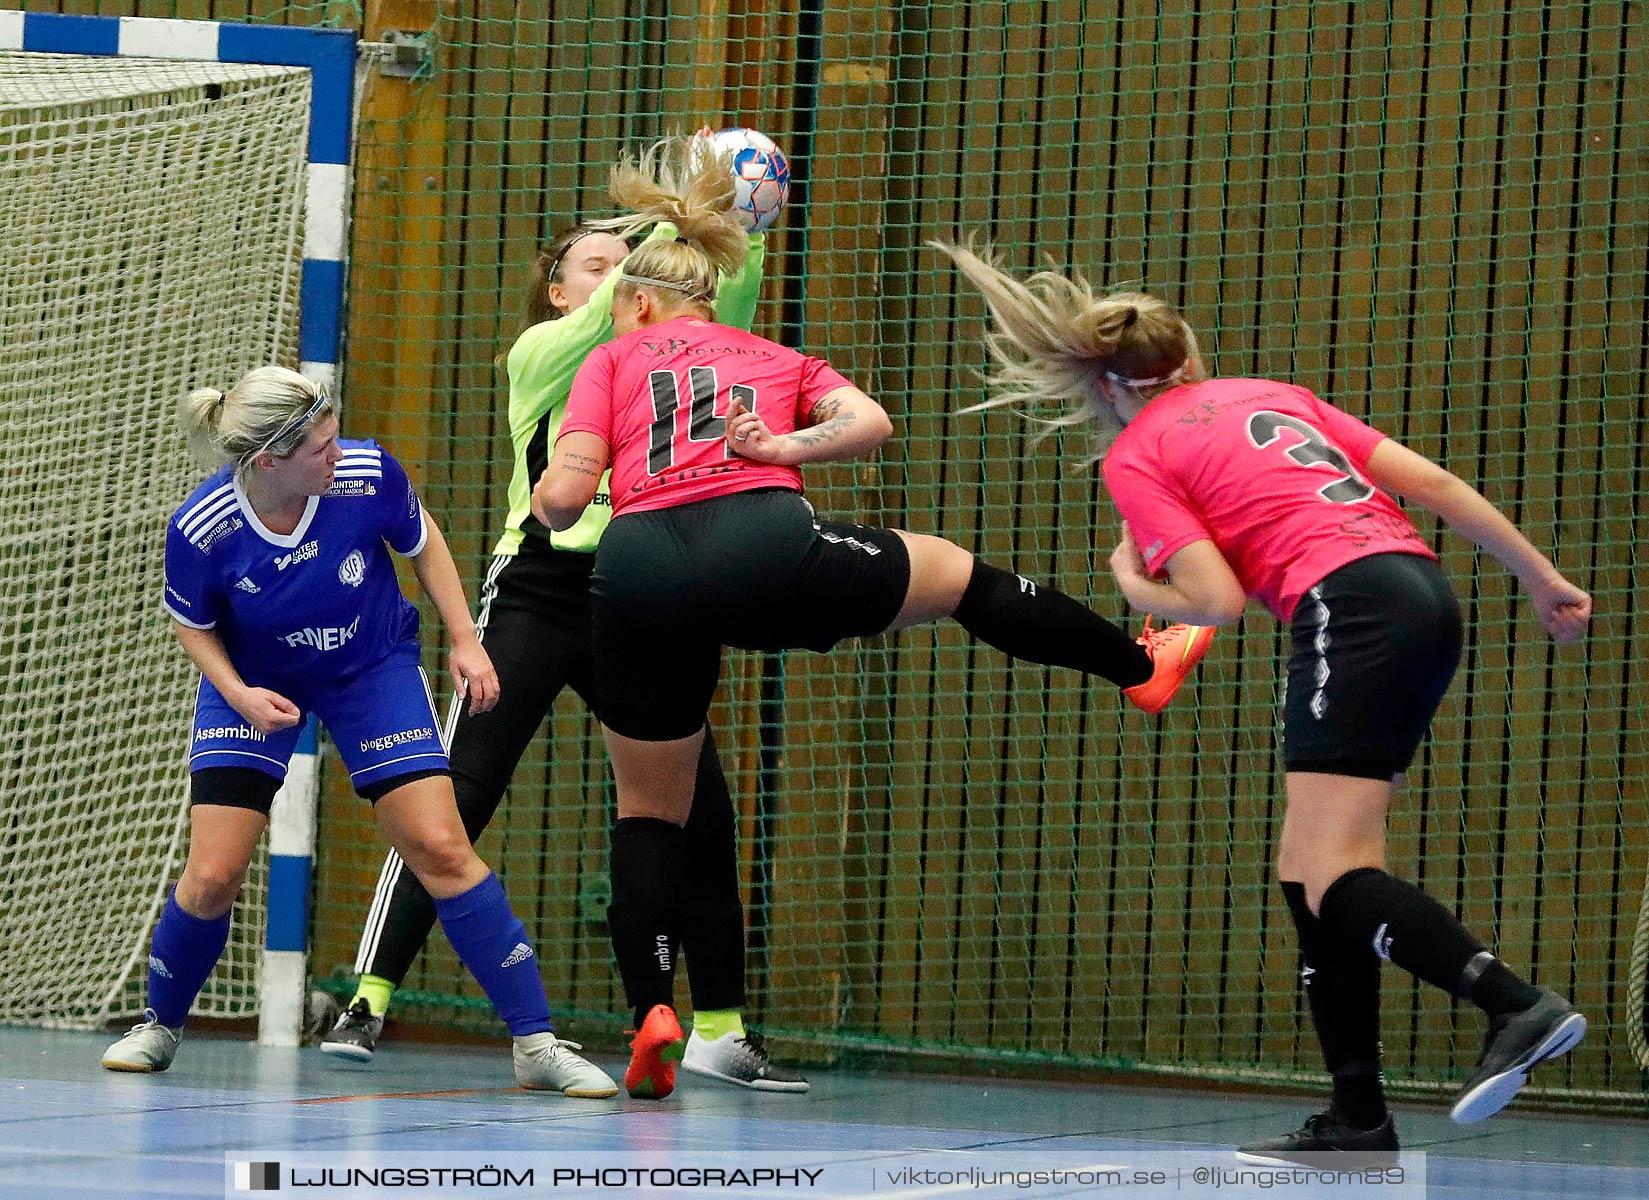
(828, 432)
(573, 469)
(824, 410)
(588, 460)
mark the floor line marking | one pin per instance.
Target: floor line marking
(408, 1095)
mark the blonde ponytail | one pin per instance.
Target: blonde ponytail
(1056, 344)
(199, 416)
(689, 183)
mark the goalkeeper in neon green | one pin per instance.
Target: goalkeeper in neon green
(535, 623)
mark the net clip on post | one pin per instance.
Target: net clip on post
(402, 54)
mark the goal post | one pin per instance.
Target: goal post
(174, 208)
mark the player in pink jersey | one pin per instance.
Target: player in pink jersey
(534, 619)
(652, 397)
(1239, 488)
(711, 545)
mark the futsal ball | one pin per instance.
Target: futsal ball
(761, 176)
(321, 1013)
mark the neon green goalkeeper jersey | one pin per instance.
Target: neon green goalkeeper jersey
(542, 364)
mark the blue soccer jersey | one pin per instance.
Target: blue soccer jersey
(301, 609)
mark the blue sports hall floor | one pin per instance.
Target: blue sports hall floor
(69, 1129)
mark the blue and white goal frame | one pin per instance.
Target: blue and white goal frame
(329, 54)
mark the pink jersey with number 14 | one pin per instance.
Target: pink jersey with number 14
(659, 397)
(1272, 475)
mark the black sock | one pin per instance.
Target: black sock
(1342, 988)
(1497, 989)
(713, 926)
(1403, 925)
(647, 864)
(1041, 624)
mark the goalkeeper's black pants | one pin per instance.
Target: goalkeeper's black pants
(535, 626)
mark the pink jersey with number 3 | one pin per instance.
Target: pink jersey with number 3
(1273, 476)
(659, 397)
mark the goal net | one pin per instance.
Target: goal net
(151, 225)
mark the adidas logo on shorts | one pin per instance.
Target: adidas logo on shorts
(1382, 942)
(520, 954)
(837, 539)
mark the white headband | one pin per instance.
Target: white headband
(296, 423)
(663, 283)
(1115, 378)
(555, 263)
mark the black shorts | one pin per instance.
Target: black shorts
(1376, 643)
(245, 787)
(753, 570)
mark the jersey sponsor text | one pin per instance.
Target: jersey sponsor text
(325, 638)
(218, 532)
(303, 553)
(352, 487)
(401, 738)
(213, 732)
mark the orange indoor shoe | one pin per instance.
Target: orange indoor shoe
(1174, 652)
(654, 1053)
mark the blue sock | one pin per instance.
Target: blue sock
(492, 943)
(182, 953)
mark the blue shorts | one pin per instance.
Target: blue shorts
(382, 721)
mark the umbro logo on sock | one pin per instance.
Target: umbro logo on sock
(520, 954)
(158, 967)
(1382, 942)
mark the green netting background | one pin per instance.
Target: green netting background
(1432, 213)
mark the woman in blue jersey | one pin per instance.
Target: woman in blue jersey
(283, 593)
(535, 619)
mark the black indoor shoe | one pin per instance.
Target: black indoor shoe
(1329, 1141)
(1515, 1043)
(355, 1036)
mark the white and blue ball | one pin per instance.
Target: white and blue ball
(761, 176)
